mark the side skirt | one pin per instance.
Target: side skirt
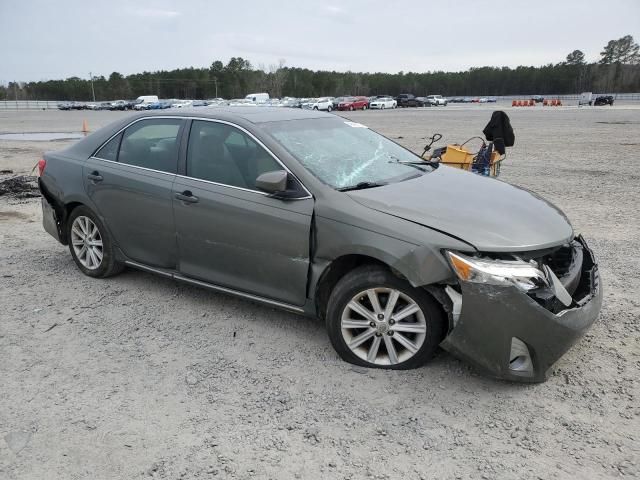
(217, 288)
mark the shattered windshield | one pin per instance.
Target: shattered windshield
(343, 154)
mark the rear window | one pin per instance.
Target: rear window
(109, 151)
(152, 143)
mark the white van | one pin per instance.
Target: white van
(143, 102)
(257, 97)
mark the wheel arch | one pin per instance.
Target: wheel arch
(335, 270)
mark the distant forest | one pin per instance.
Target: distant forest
(617, 71)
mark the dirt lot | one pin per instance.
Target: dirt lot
(138, 376)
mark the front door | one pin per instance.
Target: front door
(231, 234)
(130, 182)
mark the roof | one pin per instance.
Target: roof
(254, 114)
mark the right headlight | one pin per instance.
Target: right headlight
(526, 276)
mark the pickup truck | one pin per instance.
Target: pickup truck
(437, 100)
(408, 100)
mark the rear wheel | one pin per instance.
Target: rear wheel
(351, 108)
(364, 107)
(90, 244)
(377, 320)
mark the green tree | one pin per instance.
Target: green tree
(622, 51)
(575, 58)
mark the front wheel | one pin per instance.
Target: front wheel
(90, 244)
(364, 107)
(329, 108)
(377, 320)
(351, 109)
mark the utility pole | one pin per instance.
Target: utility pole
(93, 92)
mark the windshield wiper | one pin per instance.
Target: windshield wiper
(361, 186)
(415, 164)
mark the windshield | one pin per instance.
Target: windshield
(343, 154)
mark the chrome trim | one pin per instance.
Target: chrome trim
(218, 288)
(184, 117)
(146, 268)
(227, 186)
(238, 293)
(133, 166)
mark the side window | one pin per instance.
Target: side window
(151, 143)
(109, 151)
(223, 154)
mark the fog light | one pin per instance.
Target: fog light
(520, 359)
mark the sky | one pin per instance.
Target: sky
(41, 40)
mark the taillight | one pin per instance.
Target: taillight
(41, 164)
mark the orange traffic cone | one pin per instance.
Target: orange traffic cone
(85, 127)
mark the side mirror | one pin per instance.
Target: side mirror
(276, 183)
(273, 182)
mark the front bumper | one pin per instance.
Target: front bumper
(495, 318)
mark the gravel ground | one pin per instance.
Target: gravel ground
(138, 376)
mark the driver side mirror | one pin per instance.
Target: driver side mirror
(276, 183)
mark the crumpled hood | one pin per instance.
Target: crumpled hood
(491, 215)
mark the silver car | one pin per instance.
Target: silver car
(321, 216)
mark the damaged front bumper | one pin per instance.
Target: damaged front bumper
(509, 334)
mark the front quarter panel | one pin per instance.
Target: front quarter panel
(412, 250)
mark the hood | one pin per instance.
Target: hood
(489, 214)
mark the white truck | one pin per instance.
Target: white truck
(257, 97)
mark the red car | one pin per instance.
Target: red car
(354, 103)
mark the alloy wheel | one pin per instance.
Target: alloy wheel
(383, 326)
(87, 242)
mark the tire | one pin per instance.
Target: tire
(351, 108)
(364, 107)
(79, 223)
(424, 329)
(329, 108)
(315, 108)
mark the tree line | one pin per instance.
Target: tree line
(617, 71)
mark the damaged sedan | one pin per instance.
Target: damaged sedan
(321, 216)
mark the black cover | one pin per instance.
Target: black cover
(499, 131)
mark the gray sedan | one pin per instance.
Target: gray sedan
(319, 215)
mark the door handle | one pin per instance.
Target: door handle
(95, 177)
(187, 197)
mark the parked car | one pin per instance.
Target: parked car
(408, 100)
(182, 104)
(322, 103)
(337, 100)
(456, 100)
(437, 100)
(354, 103)
(160, 105)
(382, 103)
(92, 106)
(602, 100)
(307, 103)
(334, 225)
(64, 106)
(492, 100)
(424, 102)
(538, 98)
(119, 105)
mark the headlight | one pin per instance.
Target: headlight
(525, 276)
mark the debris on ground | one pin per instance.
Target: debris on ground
(22, 186)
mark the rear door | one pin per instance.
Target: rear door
(130, 182)
(231, 234)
